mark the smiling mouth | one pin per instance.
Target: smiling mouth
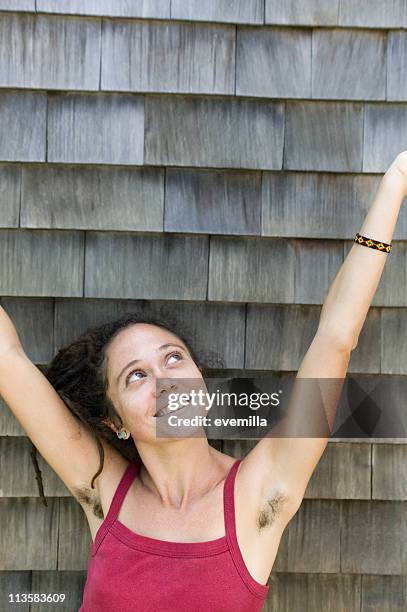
(166, 410)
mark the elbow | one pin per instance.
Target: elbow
(340, 338)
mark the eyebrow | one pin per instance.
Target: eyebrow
(161, 348)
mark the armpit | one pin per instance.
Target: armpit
(270, 511)
(89, 498)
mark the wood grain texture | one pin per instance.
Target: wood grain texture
(34, 320)
(17, 5)
(300, 592)
(273, 62)
(213, 202)
(393, 345)
(31, 537)
(238, 11)
(396, 66)
(359, 59)
(326, 256)
(323, 136)
(311, 541)
(384, 129)
(168, 57)
(224, 133)
(152, 9)
(14, 582)
(302, 12)
(319, 205)
(22, 115)
(10, 189)
(389, 471)
(277, 337)
(100, 129)
(216, 331)
(384, 593)
(71, 583)
(375, 14)
(66, 197)
(74, 62)
(17, 474)
(373, 539)
(74, 537)
(29, 270)
(146, 266)
(251, 270)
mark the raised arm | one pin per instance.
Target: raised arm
(60, 437)
(285, 464)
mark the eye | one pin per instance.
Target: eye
(175, 353)
(131, 374)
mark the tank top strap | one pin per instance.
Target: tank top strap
(229, 503)
(130, 473)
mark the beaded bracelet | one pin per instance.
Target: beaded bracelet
(372, 244)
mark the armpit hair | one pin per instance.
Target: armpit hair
(270, 511)
(88, 497)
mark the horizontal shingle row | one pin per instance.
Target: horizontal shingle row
(169, 57)
(202, 132)
(274, 337)
(279, 204)
(166, 266)
(329, 536)
(375, 14)
(361, 470)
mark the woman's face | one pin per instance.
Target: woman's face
(138, 358)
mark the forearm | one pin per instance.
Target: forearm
(351, 293)
(8, 333)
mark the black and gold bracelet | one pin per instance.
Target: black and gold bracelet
(372, 244)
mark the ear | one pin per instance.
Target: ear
(111, 425)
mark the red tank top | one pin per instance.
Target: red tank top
(128, 572)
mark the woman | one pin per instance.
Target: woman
(187, 527)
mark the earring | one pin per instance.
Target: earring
(123, 434)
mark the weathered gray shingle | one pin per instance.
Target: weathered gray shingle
(34, 321)
(147, 267)
(9, 426)
(374, 536)
(10, 187)
(17, 5)
(31, 537)
(310, 543)
(318, 205)
(152, 9)
(389, 471)
(213, 132)
(348, 64)
(92, 198)
(297, 592)
(251, 270)
(101, 129)
(24, 116)
(302, 12)
(273, 62)
(323, 136)
(373, 14)
(41, 263)
(277, 337)
(384, 135)
(72, 552)
(212, 202)
(168, 57)
(310, 255)
(393, 346)
(238, 11)
(216, 330)
(396, 66)
(17, 474)
(64, 52)
(70, 583)
(384, 593)
(15, 582)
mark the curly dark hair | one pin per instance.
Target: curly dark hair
(79, 376)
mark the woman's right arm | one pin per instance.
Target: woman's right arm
(59, 436)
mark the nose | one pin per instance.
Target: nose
(165, 386)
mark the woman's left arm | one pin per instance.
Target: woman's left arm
(285, 464)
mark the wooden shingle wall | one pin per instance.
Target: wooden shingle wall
(216, 157)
